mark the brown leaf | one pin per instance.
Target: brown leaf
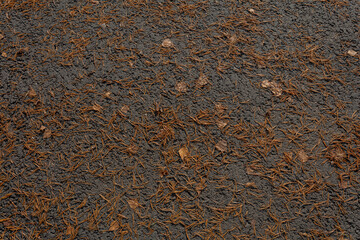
(167, 43)
(70, 230)
(163, 171)
(42, 128)
(132, 149)
(114, 226)
(202, 81)
(250, 184)
(352, 52)
(133, 203)
(274, 87)
(184, 153)
(252, 11)
(219, 108)
(107, 94)
(221, 123)
(96, 107)
(303, 156)
(124, 109)
(47, 133)
(4, 54)
(181, 87)
(31, 93)
(221, 146)
(1, 36)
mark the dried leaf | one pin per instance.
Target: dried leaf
(221, 145)
(252, 11)
(4, 54)
(96, 107)
(221, 123)
(133, 203)
(265, 84)
(352, 52)
(70, 230)
(132, 149)
(219, 108)
(163, 171)
(114, 226)
(167, 43)
(233, 39)
(47, 133)
(274, 87)
(250, 184)
(303, 156)
(181, 87)
(184, 153)
(202, 81)
(31, 93)
(1, 36)
(124, 109)
(94, 1)
(42, 128)
(107, 94)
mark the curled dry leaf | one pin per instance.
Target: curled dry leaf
(274, 87)
(184, 153)
(219, 108)
(167, 43)
(252, 11)
(96, 107)
(221, 123)
(31, 93)
(70, 230)
(303, 156)
(107, 94)
(181, 87)
(124, 109)
(47, 133)
(221, 145)
(4, 54)
(250, 184)
(133, 203)
(352, 52)
(202, 81)
(114, 225)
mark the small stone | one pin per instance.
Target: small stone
(252, 11)
(167, 43)
(352, 52)
(181, 87)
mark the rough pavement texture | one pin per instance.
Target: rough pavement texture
(179, 119)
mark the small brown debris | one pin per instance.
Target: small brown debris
(31, 93)
(303, 156)
(107, 94)
(96, 107)
(70, 230)
(202, 81)
(221, 123)
(352, 52)
(219, 108)
(274, 87)
(42, 128)
(94, 1)
(233, 39)
(181, 87)
(184, 153)
(250, 184)
(252, 11)
(4, 54)
(133, 203)
(167, 43)
(114, 226)
(47, 133)
(132, 149)
(163, 171)
(1, 36)
(124, 109)
(221, 145)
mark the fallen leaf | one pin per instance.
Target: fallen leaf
(4, 54)
(133, 203)
(181, 87)
(107, 94)
(303, 156)
(96, 107)
(221, 145)
(114, 226)
(219, 108)
(47, 133)
(274, 87)
(202, 81)
(1, 36)
(70, 230)
(265, 84)
(167, 43)
(221, 123)
(124, 109)
(250, 184)
(352, 52)
(31, 93)
(184, 153)
(132, 149)
(252, 11)
(42, 128)
(163, 171)
(233, 39)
